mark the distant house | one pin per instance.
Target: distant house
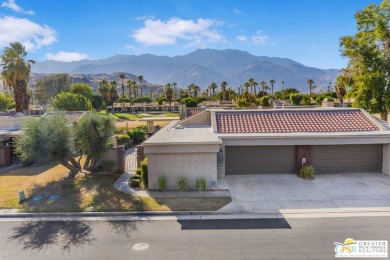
(216, 143)
(10, 126)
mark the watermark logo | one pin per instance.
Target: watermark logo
(361, 248)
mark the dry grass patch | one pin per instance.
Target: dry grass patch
(84, 193)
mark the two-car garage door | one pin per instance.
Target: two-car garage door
(259, 159)
(282, 159)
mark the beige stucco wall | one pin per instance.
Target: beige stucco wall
(172, 166)
(386, 159)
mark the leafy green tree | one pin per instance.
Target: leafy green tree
(296, 98)
(264, 101)
(161, 99)
(93, 133)
(190, 102)
(285, 93)
(49, 86)
(16, 74)
(97, 102)
(49, 138)
(3, 102)
(368, 52)
(66, 101)
(306, 100)
(83, 89)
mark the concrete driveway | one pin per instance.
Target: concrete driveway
(273, 193)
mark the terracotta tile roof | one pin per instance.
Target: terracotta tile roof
(72, 117)
(194, 111)
(293, 121)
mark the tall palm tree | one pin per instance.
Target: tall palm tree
(16, 74)
(310, 82)
(168, 94)
(223, 89)
(140, 78)
(283, 84)
(272, 82)
(113, 93)
(196, 89)
(263, 86)
(207, 92)
(246, 86)
(329, 86)
(174, 84)
(122, 76)
(213, 87)
(103, 88)
(181, 92)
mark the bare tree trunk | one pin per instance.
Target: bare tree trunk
(384, 115)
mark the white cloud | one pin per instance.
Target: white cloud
(259, 38)
(236, 11)
(31, 35)
(13, 6)
(242, 38)
(157, 32)
(66, 56)
(145, 17)
(133, 48)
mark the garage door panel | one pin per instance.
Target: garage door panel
(347, 158)
(259, 159)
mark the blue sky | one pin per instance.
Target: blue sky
(306, 31)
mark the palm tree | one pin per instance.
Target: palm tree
(196, 89)
(213, 87)
(140, 78)
(283, 84)
(122, 76)
(174, 84)
(223, 89)
(104, 91)
(168, 94)
(181, 92)
(113, 93)
(207, 92)
(246, 86)
(264, 86)
(16, 74)
(190, 88)
(329, 86)
(253, 83)
(272, 82)
(310, 82)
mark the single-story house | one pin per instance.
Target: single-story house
(216, 143)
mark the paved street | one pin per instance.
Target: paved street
(266, 238)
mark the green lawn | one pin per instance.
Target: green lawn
(91, 193)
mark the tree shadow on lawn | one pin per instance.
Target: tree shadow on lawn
(32, 170)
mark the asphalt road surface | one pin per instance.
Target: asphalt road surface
(279, 238)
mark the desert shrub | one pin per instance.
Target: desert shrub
(183, 183)
(144, 173)
(108, 165)
(134, 183)
(137, 135)
(162, 183)
(307, 172)
(201, 183)
(123, 138)
(136, 177)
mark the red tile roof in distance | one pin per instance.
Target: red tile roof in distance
(293, 121)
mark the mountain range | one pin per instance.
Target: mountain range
(200, 67)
